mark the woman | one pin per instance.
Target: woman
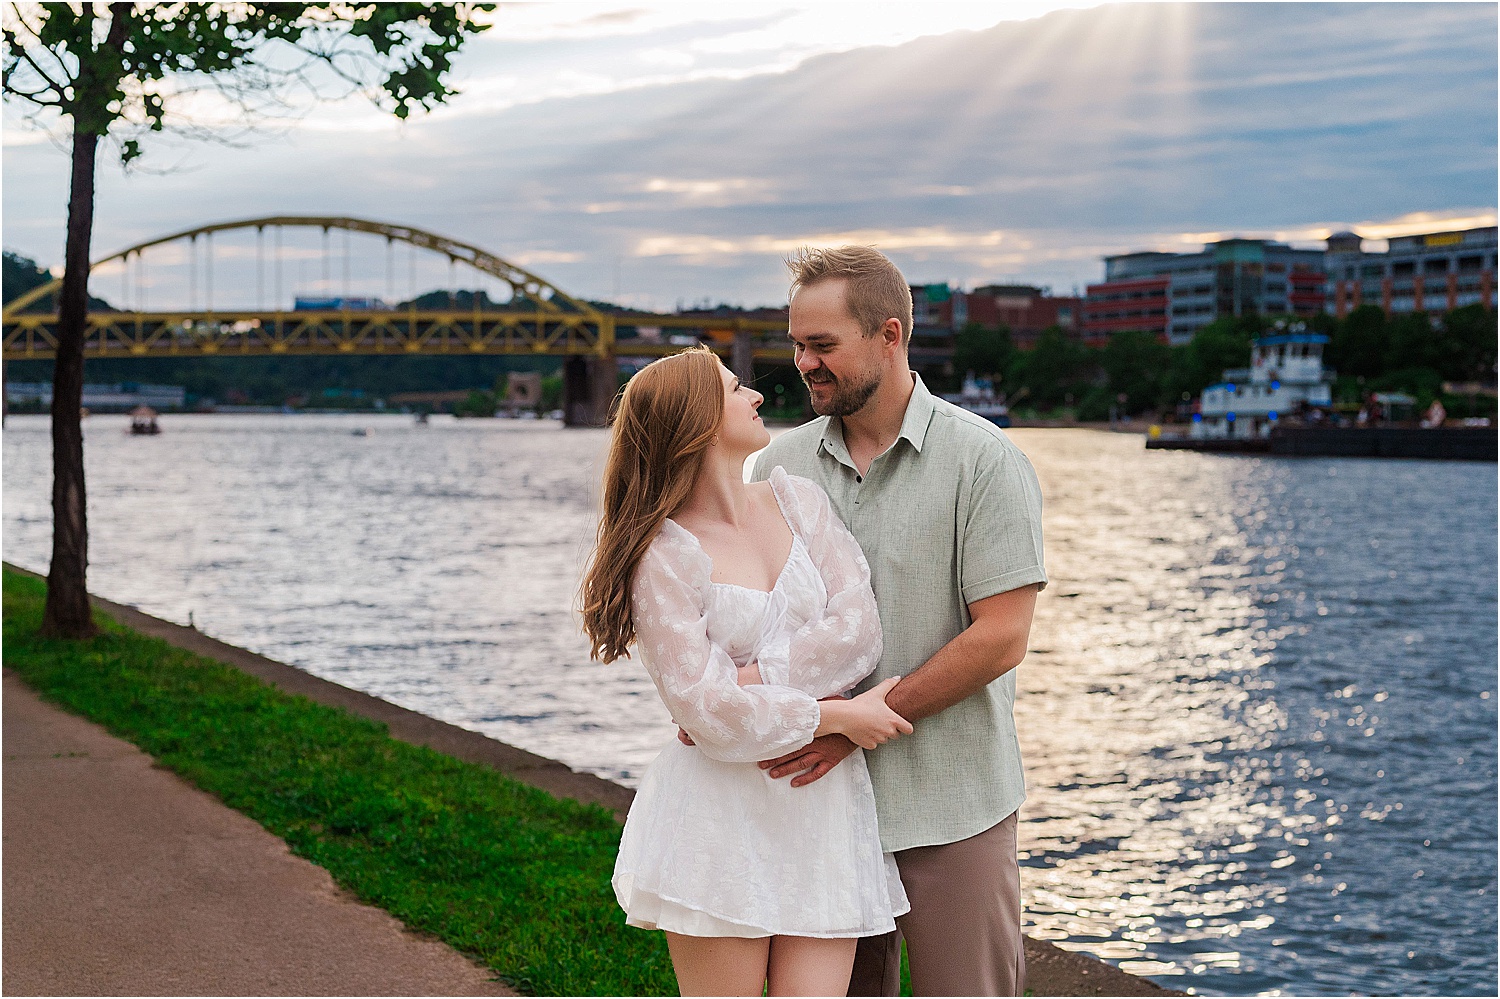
(748, 603)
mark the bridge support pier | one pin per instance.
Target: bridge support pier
(589, 386)
(742, 357)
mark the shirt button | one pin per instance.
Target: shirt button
(859, 478)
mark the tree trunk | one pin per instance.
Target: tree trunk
(67, 613)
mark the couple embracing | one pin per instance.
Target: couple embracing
(871, 590)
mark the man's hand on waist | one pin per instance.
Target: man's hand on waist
(811, 762)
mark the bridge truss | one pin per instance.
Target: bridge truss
(541, 319)
(176, 334)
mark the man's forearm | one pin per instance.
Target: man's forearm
(989, 648)
(992, 645)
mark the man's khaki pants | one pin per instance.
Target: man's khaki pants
(963, 934)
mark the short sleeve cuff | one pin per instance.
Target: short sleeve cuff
(1004, 583)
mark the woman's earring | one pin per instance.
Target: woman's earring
(715, 440)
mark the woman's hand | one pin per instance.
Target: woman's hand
(865, 720)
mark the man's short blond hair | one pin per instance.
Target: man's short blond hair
(876, 290)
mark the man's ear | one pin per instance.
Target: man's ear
(890, 332)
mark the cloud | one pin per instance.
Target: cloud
(534, 52)
(1023, 151)
(1415, 222)
(916, 239)
(528, 258)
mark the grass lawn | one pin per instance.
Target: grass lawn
(505, 873)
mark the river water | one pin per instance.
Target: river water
(1258, 715)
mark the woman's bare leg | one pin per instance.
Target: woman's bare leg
(720, 966)
(810, 966)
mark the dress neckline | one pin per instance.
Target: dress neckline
(785, 566)
(791, 554)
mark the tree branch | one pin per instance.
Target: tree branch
(33, 98)
(35, 29)
(119, 25)
(34, 32)
(53, 85)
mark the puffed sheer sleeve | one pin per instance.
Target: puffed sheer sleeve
(833, 651)
(695, 677)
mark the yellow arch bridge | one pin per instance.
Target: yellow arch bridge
(539, 319)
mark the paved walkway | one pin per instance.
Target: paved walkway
(122, 879)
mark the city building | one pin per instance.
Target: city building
(1431, 272)
(338, 304)
(939, 311)
(1173, 295)
(1123, 302)
(120, 398)
(1023, 309)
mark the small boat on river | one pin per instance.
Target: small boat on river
(978, 396)
(143, 421)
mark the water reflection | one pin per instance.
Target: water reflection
(431, 565)
(1258, 717)
(1141, 696)
(1259, 689)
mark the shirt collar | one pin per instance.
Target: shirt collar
(919, 410)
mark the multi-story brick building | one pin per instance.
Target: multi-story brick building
(1431, 272)
(936, 315)
(1024, 309)
(1128, 301)
(1176, 294)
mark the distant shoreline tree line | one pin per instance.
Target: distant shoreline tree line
(1416, 353)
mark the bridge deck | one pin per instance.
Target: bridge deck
(32, 336)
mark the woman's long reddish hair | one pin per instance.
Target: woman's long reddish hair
(664, 421)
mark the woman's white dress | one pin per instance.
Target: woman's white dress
(713, 846)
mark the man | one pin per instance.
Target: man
(948, 512)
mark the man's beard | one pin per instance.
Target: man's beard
(848, 396)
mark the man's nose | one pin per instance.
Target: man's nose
(807, 363)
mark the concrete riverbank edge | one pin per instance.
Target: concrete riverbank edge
(1051, 971)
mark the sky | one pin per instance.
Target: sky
(670, 154)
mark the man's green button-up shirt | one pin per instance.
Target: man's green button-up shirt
(949, 515)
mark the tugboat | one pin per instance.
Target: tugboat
(1286, 376)
(143, 421)
(978, 396)
(1281, 405)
